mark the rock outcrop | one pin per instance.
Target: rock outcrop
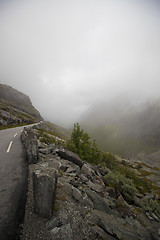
(86, 207)
(63, 153)
(16, 108)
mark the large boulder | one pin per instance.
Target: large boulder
(87, 170)
(99, 202)
(120, 228)
(70, 156)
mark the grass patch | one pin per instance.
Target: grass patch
(12, 126)
(145, 173)
(58, 131)
(45, 138)
(148, 166)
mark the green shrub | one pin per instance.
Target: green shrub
(151, 206)
(109, 160)
(122, 184)
(142, 184)
(81, 144)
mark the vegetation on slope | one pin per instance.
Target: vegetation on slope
(125, 128)
(16, 108)
(50, 133)
(58, 131)
(81, 144)
(123, 178)
(18, 100)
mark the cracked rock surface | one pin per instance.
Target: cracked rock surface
(82, 211)
(85, 207)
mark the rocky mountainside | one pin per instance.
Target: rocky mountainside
(16, 108)
(75, 200)
(58, 130)
(81, 201)
(125, 128)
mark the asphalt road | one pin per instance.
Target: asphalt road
(13, 182)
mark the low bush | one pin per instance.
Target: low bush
(122, 184)
(142, 184)
(151, 206)
(109, 160)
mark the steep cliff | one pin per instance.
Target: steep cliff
(16, 108)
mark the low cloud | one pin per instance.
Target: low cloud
(69, 55)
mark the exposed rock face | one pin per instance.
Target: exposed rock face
(120, 228)
(44, 190)
(85, 208)
(16, 108)
(98, 201)
(63, 153)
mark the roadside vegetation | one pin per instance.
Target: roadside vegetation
(58, 131)
(123, 178)
(80, 143)
(48, 135)
(3, 127)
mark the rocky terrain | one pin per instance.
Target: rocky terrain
(73, 199)
(16, 108)
(84, 205)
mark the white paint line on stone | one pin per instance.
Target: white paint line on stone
(9, 147)
(15, 135)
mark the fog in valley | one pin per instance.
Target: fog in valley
(72, 57)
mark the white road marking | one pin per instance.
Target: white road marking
(15, 135)
(9, 147)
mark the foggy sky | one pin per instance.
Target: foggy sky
(67, 55)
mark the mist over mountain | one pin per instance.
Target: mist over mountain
(124, 126)
(69, 55)
(97, 64)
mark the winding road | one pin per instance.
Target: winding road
(13, 182)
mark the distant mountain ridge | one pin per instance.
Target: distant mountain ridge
(124, 128)
(16, 107)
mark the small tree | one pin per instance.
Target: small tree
(81, 144)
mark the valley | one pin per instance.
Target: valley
(89, 188)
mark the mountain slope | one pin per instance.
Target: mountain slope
(124, 128)
(16, 108)
(58, 130)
